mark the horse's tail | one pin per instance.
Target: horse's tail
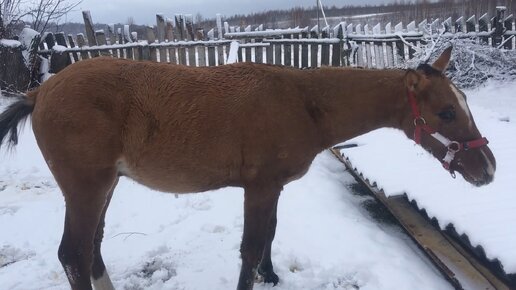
(16, 113)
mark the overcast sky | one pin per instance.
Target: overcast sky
(144, 11)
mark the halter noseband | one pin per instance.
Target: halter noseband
(452, 146)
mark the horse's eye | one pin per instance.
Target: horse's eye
(447, 114)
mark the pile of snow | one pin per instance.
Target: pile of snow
(325, 238)
(9, 43)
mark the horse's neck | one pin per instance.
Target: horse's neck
(354, 102)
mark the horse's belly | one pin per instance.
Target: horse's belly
(178, 179)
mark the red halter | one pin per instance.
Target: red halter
(452, 146)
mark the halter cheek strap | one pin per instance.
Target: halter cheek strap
(452, 146)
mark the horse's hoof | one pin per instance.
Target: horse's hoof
(269, 276)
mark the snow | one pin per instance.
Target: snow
(27, 35)
(9, 43)
(485, 214)
(59, 48)
(265, 33)
(326, 239)
(233, 52)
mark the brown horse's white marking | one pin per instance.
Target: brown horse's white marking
(181, 129)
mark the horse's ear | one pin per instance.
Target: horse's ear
(415, 81)
(442, 62)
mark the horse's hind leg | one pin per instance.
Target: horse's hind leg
(99, 275)
(86, 195)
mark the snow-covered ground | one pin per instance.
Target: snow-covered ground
(326, 239)
(487, 215)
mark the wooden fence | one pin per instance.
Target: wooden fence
(178, 41)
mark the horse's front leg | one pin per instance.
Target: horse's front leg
(259, 205)
(265, 269)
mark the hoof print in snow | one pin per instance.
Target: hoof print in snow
(10, 255)
(158, 269)
(505, 119)
(348, 283)
(10, 210)
(295, 267)
(154, 273)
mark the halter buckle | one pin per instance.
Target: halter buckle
(419, 121)
(454, 147)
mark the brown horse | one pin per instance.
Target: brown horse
(184, 129)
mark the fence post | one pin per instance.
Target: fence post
(314, 47)
(59, 59)
(160, 27)
(483, 26)
(75, 55)
(499, 26)
(304, 49)
(325, 47)
(191, 37)
(150, 52)
(128, 39)
(337, 48)
(81, 43)
(90, 33)
(509, 26)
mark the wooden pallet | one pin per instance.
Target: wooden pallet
(462, 269)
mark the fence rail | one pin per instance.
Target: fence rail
(176, 40)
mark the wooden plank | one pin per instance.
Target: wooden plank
(296, 53)
(269, 54)
(201, 55)
(160, 34)
(121, 52)
(459, 267)
(337, 49)
(173, 55)
(189, 30)
(211, 56)
(258, 51)
(49, 40)
(325, 47)
(71, 41)
(277, 53)
(169, 30)
(304, 51)
(471, 24)
(111, 34)
(509, 26)
(128, 39)
(483, 26)
(287, 51)
(220, 32)
(180, 23)
(81, 42)
(101, 40)
(314, 48)
(220, 55)
(90, 33)
(150, 52)
(58, 59)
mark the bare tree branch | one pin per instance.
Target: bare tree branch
(39, 12)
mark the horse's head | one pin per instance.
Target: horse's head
(442, 123)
